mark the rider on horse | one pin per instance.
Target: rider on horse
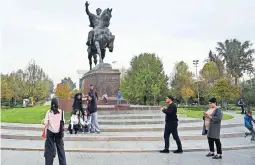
(94, 21)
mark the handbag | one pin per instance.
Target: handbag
(61, 127)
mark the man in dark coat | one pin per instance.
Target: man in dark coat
(171, 125)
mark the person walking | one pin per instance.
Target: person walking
(54, 140)
(92, 108)
(241, 104)
(212, 124)
(171, 125)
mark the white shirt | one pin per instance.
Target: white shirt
(53, 120)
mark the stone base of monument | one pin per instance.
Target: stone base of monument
(104, 78)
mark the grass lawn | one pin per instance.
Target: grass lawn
(32, 115)
(36, 114)
(199, 114)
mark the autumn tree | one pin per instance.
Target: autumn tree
(186, 93)
(6, 92)
(62, 91)
(145, 74)
(68, 81)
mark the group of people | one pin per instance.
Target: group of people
(84, 118)
(54, 141)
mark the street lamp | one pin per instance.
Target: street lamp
(195, 63)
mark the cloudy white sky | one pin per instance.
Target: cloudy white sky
(53, 32)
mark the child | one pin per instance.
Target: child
(249, 122)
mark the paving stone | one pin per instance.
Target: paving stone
(240, 157)
(149, 145)
(149, 133)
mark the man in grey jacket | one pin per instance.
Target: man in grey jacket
(212, 124)
(93, 110)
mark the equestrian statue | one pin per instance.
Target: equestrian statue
(100, 37)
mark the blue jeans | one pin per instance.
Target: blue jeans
(118, 101)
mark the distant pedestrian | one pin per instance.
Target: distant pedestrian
(54, 138)
(241, 104)
(171, 125)
(118, 96)
(212, 124)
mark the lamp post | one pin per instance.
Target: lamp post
(195, 63)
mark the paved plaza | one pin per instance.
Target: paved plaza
(239, 157)
(129, 137)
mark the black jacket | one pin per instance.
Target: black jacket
(171, 113)
(92, 105)
(77, 104)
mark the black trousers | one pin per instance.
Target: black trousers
(53, 141)
(171, 128)
(211, 145)
(242, 108)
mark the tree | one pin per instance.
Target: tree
(145, 74)
(224, 89)
(212, 57)
(186, 93)
(6, 92)
(62, 91)
(182, 78)
(68, 81)
(237, 56)
(210, 72)
(37, 81)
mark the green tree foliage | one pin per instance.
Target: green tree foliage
(146, 73)
(212, 57)
(237, 56)
(182, 79)
(68, 81)
(224, 89)
(209, 72)
(31, 82)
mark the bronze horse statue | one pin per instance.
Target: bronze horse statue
(100, 38)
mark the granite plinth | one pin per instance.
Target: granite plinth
(104, 78)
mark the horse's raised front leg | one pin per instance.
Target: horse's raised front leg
(98, 51)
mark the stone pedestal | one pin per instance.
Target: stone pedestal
(104, 79)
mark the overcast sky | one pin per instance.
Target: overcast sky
(54, 32)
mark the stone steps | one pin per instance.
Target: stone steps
(123, 136)
(127, 131)
(121, 128)
(113, 146)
